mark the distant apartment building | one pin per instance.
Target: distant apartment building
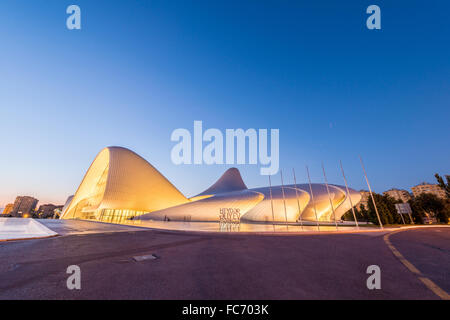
(48, 210)
(23, 205)
(398, 194)
(365, 195)
(8, 208)
(428, 188)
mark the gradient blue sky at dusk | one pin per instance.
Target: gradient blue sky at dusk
(137, 70)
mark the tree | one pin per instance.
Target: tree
(348, 215)
(418, 213)
(429, 204)
(386, 209)
(363, 213)
(443, 185)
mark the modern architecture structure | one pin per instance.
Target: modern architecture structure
(24, 205)
(120, 185)
(67, 203)
(398, 194)
(428, 188)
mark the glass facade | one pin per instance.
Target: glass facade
(118, 215)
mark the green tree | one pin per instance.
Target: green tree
(443, 185)
(386, 209)
(363, 213)
(428, 203)
(385, 215)
(348, 215)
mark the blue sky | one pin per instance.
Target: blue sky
(137, 70)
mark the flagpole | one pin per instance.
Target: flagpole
(271, 204)
(370, 190)
(348, 195)
(296, 196)
(284, 199)
(312, 198)
(329, 197)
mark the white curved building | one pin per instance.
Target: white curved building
(120, 184)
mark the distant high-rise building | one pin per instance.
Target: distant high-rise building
(428, 188)
(8, 208)
(398, 194)
(47, 210)
(23, 205)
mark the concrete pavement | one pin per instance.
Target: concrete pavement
(71, 227)
(223, 266)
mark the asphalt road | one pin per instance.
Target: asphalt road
(224, 266)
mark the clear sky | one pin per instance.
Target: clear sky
(139, 69)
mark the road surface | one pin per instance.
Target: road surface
(224, 266)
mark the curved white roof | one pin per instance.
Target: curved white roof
(120, 179)
(230, 181)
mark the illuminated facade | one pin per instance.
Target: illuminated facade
(121, 185)
(120, 180)
(288, 203)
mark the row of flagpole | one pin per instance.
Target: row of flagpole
(329, 197)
